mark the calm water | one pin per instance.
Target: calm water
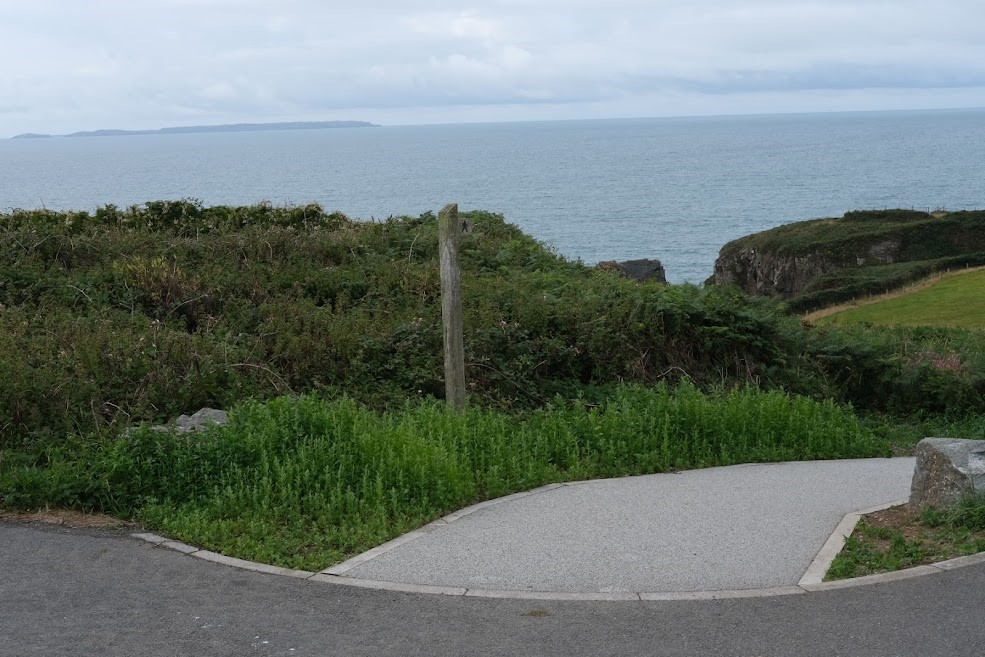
(673, 189)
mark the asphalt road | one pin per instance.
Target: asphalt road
(101, 593)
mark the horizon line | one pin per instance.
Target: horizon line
(166, 130)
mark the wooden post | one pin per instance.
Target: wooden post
(449, 239)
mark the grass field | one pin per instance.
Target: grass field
(955, 300)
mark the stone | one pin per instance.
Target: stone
(200, 420)
(946, 469)
(765, 273)
(639, 270)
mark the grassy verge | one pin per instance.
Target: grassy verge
(900, 538)
(302, 482)
(953, 301)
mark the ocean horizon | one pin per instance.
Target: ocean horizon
(674, 189)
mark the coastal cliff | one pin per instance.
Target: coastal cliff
(812, 263)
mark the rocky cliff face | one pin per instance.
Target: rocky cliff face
(821, 262)
(763, 272)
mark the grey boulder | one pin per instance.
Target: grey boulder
(200, 420)
(946, 469)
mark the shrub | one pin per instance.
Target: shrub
(144, 313)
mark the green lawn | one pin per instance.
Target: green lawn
(956, 301)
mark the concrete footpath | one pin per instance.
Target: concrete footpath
(728, 529)
(94, 592)
(732, 532)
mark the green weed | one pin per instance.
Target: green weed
(967, 515)
(859, 557)
(303, 482)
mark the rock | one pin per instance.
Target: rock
(763, 273)
(770, 273)
(639, 270)
(947, 468)
(200, 420)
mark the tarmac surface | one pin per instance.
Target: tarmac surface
(78, 592)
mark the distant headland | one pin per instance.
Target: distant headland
(229, 127)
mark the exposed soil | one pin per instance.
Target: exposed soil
(901, 518)
(66, 518)
(937, 543)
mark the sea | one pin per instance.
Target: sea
(672, 189)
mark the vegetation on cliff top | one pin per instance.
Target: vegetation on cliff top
(921, 235)
(863, 253)
(140, 314)
(323, 337)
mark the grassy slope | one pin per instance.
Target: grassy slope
(957, 300)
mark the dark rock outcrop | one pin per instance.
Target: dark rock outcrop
(639, 270)
(764, 272)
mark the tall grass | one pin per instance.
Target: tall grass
(304, 482)
(965, 515)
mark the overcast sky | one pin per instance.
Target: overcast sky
(85, 64)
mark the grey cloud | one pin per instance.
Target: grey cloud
(830, 77)
(136, 60)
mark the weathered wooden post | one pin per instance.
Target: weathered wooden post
(449, 240)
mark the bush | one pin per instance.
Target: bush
(908, 372)
(144, 313)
